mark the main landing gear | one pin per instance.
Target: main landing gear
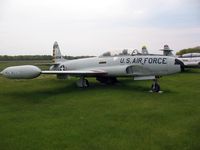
(155, 87)
(82, 82)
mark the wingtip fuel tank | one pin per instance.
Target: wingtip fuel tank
(21, 72)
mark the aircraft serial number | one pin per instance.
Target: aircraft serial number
(143, 60)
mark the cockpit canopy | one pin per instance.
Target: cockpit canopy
(124, 52)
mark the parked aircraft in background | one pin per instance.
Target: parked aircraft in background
(190, 60)
(106, 67)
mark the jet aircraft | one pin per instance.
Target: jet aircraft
(106, 67)
(190, 60)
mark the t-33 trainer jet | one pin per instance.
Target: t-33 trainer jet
(106, 68)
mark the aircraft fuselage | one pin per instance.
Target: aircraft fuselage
(125, 65)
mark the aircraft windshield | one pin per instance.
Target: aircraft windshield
(124, 52)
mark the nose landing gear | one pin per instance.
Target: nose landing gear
(155, 87)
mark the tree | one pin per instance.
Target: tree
(189, 50)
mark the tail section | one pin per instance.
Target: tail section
(57, 56)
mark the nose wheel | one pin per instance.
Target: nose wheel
(155, 87)
(82, 83)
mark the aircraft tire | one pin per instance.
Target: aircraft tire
(155, 87)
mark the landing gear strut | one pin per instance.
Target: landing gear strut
(155, 87)
(82, 82)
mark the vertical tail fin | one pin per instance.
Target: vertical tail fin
(57, 56)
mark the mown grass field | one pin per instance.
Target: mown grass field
(46, 113)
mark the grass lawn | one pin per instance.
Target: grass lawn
(46, 113)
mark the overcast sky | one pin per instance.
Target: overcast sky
(90, 27)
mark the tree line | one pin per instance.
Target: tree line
(189, 50)
(49, 57)
(35, 57)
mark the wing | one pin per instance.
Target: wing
(77, 72)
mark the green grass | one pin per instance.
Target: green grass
(46, 113)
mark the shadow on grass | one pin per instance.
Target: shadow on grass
(41, 95)
(122, 86)
(193, 70)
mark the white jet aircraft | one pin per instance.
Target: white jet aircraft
(106, 68)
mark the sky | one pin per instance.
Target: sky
(91, 27)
